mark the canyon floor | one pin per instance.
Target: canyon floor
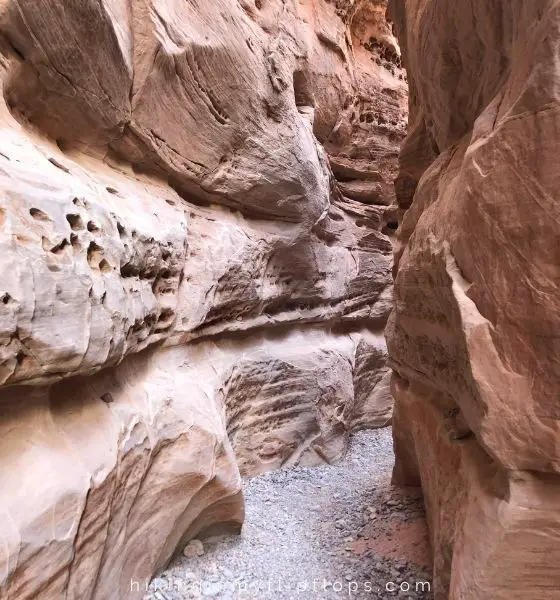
(336, 531)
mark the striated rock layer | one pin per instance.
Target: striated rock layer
(474, 337)
(195, 268)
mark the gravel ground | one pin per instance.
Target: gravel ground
(336, 531)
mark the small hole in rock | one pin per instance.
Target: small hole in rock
(107, 398)
(112, 190)
(91, 226)
(129, 270)
(74, 240)
(394, 225)
(75, 221)
(104, 266)
(166, 314)
(92, 249)
(38, 214)
(59, 248)
(148, 273)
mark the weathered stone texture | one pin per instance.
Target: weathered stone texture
(474, 337)
(195, 267)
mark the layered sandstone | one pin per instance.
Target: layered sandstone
(474, 337)
(195, 271)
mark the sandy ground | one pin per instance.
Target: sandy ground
(336, 531)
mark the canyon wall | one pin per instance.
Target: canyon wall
(474, 337)
(195, 267)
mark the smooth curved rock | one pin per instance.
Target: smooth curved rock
(474, 336)
(103, 477)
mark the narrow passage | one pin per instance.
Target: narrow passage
(336, 531)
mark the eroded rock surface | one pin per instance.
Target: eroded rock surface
(475, 334)
(195, 267)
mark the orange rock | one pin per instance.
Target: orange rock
(474, 337)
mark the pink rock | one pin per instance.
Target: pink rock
(474, 335)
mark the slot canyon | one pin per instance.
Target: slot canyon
(279, 299)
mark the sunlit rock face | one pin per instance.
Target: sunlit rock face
(475, 332)
(195, 268)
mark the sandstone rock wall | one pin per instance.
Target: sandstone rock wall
(474, 338)
(195, 268)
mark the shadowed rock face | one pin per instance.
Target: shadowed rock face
(195, 268)
(474, 337)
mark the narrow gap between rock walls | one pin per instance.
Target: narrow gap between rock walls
(333, 531)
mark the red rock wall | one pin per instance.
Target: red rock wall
(474, 337)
